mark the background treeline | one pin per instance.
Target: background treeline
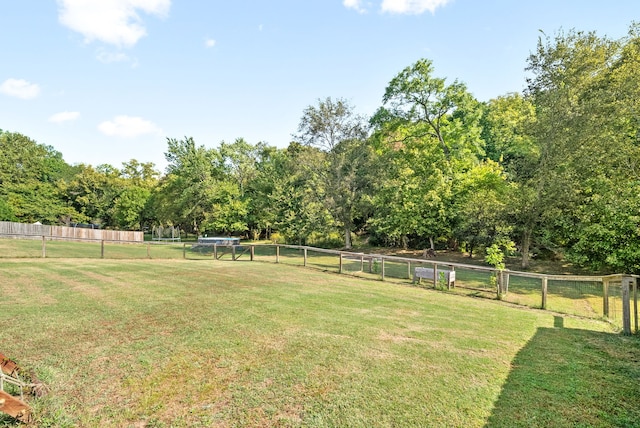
(553, 171)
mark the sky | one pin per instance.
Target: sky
(107, 81)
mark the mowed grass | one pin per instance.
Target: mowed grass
(185, 343)
(575, 298)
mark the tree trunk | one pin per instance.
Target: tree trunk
(526, 243)
(347, 237)
(432, 246)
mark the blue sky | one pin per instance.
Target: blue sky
(106, 81)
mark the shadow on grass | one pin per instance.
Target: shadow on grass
(572, 378)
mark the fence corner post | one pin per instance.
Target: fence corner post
(605, 298)
(626, 305)
(635, 302)
(435, 275)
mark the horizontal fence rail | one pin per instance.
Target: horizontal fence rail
(611, 297)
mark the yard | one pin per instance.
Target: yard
(187, 343)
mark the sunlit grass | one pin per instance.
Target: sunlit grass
(220, 343)
(573, 297)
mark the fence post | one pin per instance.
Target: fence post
(605, 298)
(233, 253)
(305, 259)
(339, 268)
(102, 249)
(544, 292)
(252, 252)
(361, 263)
(635, 302)
(503, 283)
(277, 253)
(184, 251)
(626, 307)
(435, 275)
(44, 246)
(382, 267)
(506, 283)
(409, 270)
(215, 251)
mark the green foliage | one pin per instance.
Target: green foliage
(325, 240)
(344, 159)
(586, 102)
(506, 131)
(430, 109)
(186, 195)
(481, 198)
(29, 173)
(6, 211)
(129, 206)
(228, 211)
(427, 135)
(555, 169)
(495, 257)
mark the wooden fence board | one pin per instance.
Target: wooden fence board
(8, 228)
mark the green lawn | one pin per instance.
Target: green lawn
(189, 343)
(574, 298)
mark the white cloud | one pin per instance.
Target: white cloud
(411, 7)
(109, 57)
(20, 88)
(209, 43)
(64, 116)
(128, 127)
(354, 4)
(110, 21)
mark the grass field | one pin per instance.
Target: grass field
(157, 343)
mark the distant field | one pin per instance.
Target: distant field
(173, 343)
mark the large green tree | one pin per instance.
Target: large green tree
(427, 134)
(198, 193)
(340, 134)
(584, 89)
(29, 176)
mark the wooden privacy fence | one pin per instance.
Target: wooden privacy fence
(12, 229)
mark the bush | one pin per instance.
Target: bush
(324, 240)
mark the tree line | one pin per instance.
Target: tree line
(553, 171)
